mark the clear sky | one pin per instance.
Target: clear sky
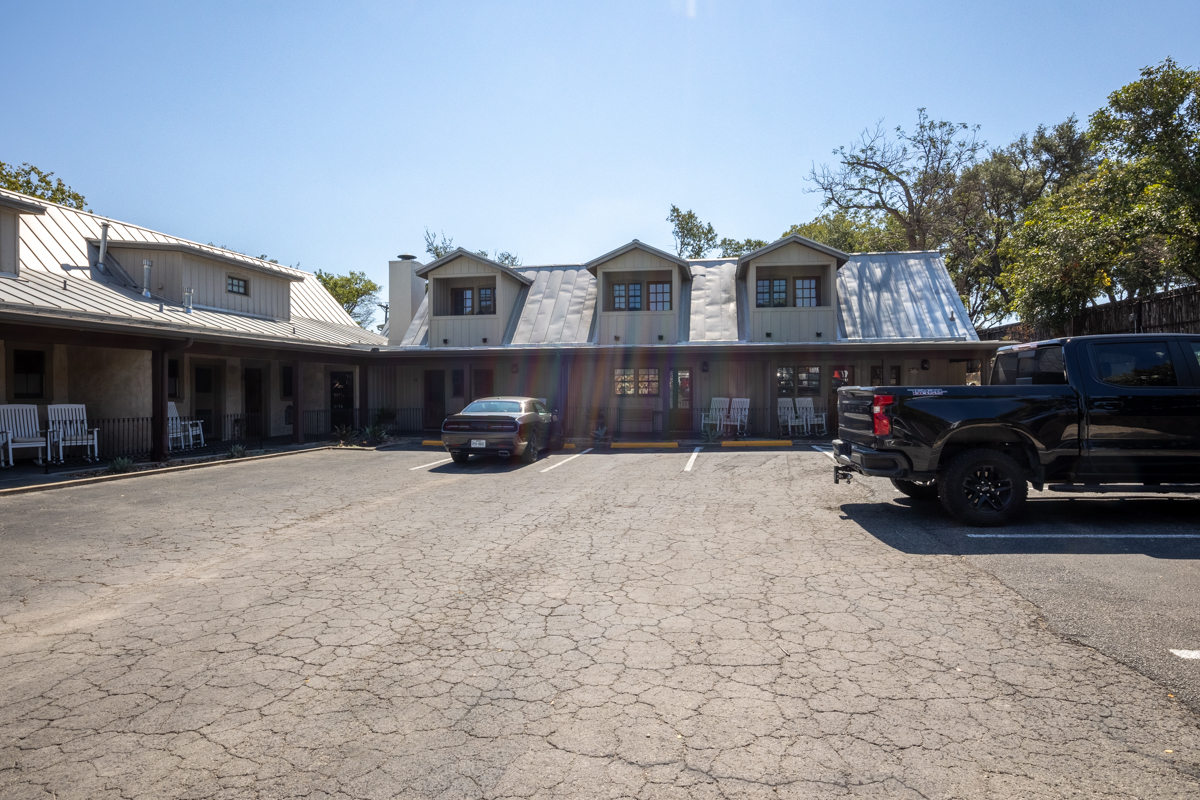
(333, 134)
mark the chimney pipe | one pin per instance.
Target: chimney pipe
(187, 300)
(103, 246)
(146, 265)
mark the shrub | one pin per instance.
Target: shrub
(599, 435)
(120, 465)
(343, 433)
(237, 451)
(711, 435)
(374, 434)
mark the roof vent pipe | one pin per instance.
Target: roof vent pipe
(103, 246)
(146, 265)
(187, 300)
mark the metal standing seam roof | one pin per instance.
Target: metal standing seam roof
(897, 296)
(54, 247)
(881, 297)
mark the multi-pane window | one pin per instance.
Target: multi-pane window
(634, 290)
(458, 382)
(237, 285)
(660, 297)
(770, 293)
(462, 302)
(841, 376)
(619, 300)
(29, 372)
(487, 300)
(285, 382)
(808, 292)
(622, 381)
(647, 382)
(808, 380)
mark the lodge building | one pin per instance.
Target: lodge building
(135, 324)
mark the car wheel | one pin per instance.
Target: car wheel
(531, 449)
(927, 490)
(460, 458)
(983, 487)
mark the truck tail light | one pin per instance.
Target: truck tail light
(883, 424)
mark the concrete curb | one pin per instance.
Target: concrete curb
(760, 443)
(649, 445)
(41, 487)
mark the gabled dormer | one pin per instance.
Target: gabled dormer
(11, 210)
(791, 285)
(470, 299)
(639, 291)
(218, 280)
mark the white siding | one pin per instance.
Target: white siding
(638, 327)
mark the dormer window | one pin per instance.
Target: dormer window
(462, 302)
(237, 285)
(660, 297)
(771, 293)
(808, 292)
(487, 300)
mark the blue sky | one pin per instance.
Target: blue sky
(333, 134)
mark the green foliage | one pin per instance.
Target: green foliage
(693, 238)
(732, 248)
(119, 466)
(28, 179)
(710, 435)
(599, 435)
(384, 415)
(445, 246)
(237, 451)
(857, 232)
(356, 293)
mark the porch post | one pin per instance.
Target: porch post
(363, 403)
(159, 431)
(298, 401)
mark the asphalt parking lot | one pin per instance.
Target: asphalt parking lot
(597, 624)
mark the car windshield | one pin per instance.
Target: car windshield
(493, 407)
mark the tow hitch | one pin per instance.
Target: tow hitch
(840, 472)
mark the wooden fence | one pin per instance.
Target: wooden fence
(1175, 311)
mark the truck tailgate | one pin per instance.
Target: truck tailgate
(855, 423)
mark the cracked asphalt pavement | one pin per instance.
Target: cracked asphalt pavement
(340, 625)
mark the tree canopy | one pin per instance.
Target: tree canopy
(356, 293)
(28, 179)
(693, 238)
(439, 248)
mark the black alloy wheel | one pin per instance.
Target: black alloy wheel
(984, 488)
(531, 448)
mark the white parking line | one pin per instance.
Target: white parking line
(565, 460)
(1187, 653)
(1083, 535)
(692, 460)
(434, 464)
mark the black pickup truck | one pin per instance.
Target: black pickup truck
(1116, 413)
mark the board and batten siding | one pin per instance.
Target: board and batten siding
(638, 327)
(9, 241)
(173, 271)
(470, 331)
(792, 324)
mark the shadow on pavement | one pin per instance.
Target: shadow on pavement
(922, 528)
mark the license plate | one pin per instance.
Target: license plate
(478, 444)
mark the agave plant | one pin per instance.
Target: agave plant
(711, 435)
(373, 435)
(344, 433)
(599, 435)
(120, 465)
(237, 451)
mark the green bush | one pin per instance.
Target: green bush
(374, 434)
(237, 451)
(119, 466)
(343, 433)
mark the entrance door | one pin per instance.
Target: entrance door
(252, 397)
(1143, 413)
(435, 398)
(341, 399)
(204, 383)
(681, 401)
(483, 383)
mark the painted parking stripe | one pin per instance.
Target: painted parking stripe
(1083, 535)
(434, 464)
(692, 460)
(565, 460)
(1187, 653)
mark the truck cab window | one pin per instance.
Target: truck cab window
(1135, 364)
(1042, 366)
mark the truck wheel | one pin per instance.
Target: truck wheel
(917, 491)
(984, 488)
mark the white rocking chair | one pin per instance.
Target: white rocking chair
(717, 415)
(70, 422)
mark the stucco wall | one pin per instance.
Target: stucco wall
(112, 383)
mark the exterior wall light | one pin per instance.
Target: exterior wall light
(818, 334)
(704, 366)
(768, 334)
(485, 340)
(616, 338)
(445, 341)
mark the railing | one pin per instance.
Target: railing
(133, 438)
(324, 424)
(633, 423)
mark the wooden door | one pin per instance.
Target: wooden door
(435, 398)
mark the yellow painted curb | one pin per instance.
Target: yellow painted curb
(568, 446)
(759, 443)
(632, 445)
(432, 443)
